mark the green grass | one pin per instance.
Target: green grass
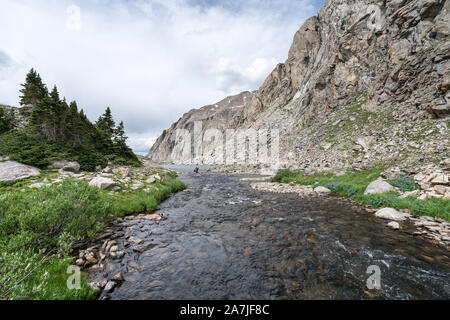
(47, 222)
(354, 184)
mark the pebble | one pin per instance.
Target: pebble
(109, 287)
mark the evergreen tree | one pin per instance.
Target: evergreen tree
(41, 117)
(5, 121)
(73, 108)
(119, 133)
(65, 129)
(105, 125)
(33, 89)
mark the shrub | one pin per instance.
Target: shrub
(51, 215)
(284, 175)
(39, 226)
(405, 184)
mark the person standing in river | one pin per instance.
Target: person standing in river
(196, 170)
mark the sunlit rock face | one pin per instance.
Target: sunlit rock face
(359, 70)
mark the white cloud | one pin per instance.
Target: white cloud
(150, 61)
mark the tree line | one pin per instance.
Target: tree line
(56, 121)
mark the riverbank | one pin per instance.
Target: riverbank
(430, 216)
(45, 218)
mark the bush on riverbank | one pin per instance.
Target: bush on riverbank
(38, 227)
(354, 184)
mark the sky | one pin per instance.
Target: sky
(150, 61)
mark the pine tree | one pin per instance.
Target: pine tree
(5, 122)
(33, 89)
(106, 127)
(41, 117)
(119, 133)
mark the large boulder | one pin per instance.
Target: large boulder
(391, 214)
(11, 171)
(378, 186)
(151, 180)
(102, 183)
(322, 190)
(65, 165)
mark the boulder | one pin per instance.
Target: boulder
(445, 164)
(322, 190)
(440, 179)
(391, 214)
(118, 277)
(137, 185)
(102, 183)
(65, 165)
(365, 142)
(440, 189)
(108, 170)
(378, 186)
(110, 285)
(394, 225)
(150, 180)
(11, 171)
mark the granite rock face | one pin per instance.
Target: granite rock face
(362, 81)
(11, 171)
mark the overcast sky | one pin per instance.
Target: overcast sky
(149, 60)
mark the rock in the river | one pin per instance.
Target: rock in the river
(110, 285)
(118, 277)
(79, 262)
(322, 190)
(117, 254)
(135, 240)
(378, 186)
(94, 286)
(394, 225)
(11, 171)
(391, 214)
(65, 165)
(102, 183)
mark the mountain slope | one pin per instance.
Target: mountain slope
(365, 82)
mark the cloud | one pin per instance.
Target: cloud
(150, 61)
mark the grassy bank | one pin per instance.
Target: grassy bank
(38, 228)
(354, 184)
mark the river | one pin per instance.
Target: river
(224, 240)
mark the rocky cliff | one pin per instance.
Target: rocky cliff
(365, 82)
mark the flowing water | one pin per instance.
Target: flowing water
(224, 240)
